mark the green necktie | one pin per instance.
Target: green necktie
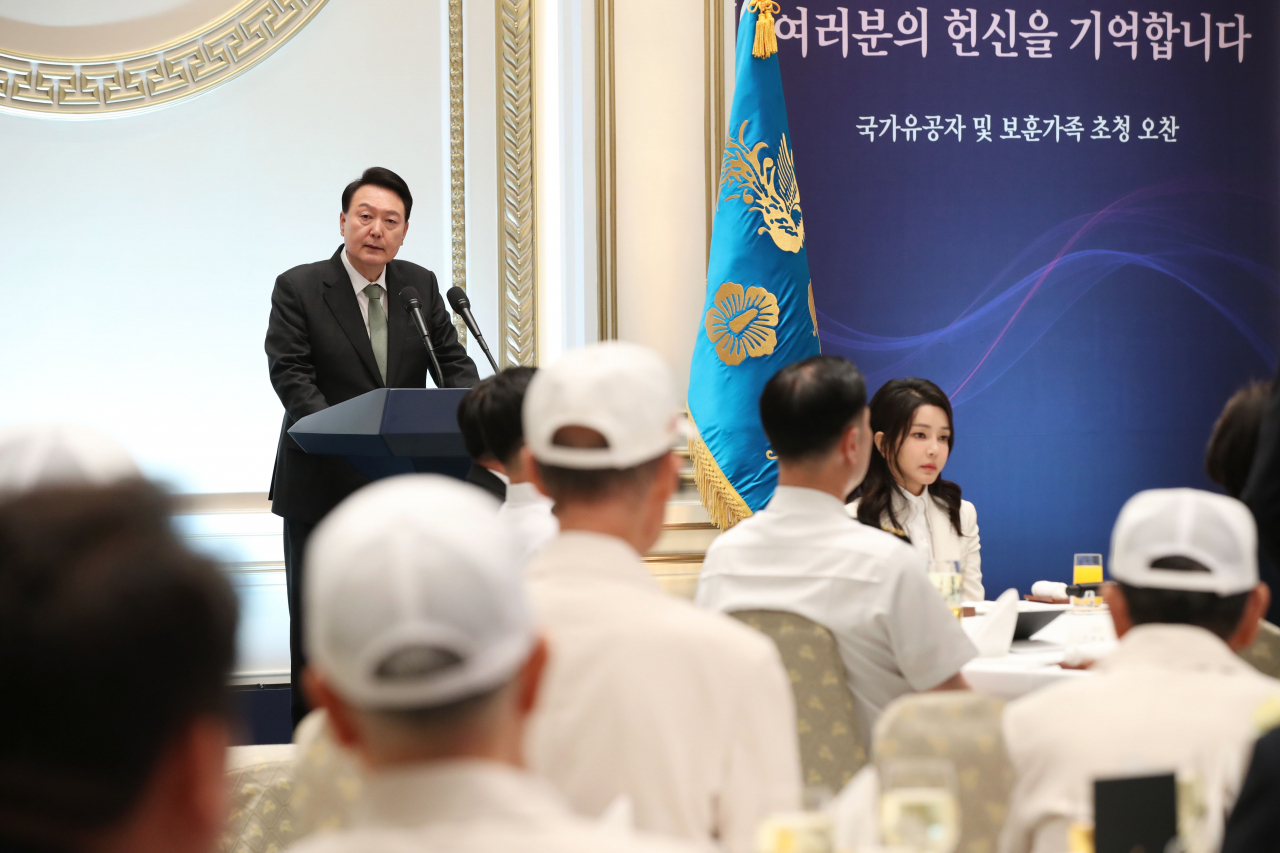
(377, 328)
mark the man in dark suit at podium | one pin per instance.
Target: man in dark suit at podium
(338, 330)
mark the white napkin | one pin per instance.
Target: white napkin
(1049, 589)
(994, 636)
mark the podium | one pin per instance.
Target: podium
(391, 431)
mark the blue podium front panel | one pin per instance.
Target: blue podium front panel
(391, 431)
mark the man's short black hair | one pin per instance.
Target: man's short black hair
(1218, 614)
(1229, 455)
(469, 420)
(808, 405)
(500, 409)
(113, 638)
(588, 485)
(379, 177)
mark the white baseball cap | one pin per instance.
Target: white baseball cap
(1216, 531)
(415, 596)
(622, 391)
(37, 455)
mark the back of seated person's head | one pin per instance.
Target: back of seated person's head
(814, 413)
(1229, 454)
(1187, 557)
(37, 455)
(469, 423)
(116, 643)
(499, 414)
(422, 641)
(600, 423)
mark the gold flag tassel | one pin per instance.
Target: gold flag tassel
(724, 505)
(766, 43)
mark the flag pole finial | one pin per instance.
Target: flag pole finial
(766, 43)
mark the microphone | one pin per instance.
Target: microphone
(462, 305)
(409, 298)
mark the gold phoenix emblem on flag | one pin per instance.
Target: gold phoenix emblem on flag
(741, 324)
(767, 187)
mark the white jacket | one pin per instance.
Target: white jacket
(921, 516)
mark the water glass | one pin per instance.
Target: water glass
(919, 805)
(947, 579)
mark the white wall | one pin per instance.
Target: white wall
(140, 250)
(661, 197)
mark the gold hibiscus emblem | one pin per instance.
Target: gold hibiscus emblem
(767, 187)
(741, 324)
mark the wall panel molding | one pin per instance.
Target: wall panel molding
(517, 298)
(606, 179)
(716, 117)
(457, 161)
(99, 86)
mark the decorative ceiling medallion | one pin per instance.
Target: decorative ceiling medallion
(145, 80)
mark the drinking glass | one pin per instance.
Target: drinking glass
(947, 579)
(1088, 569)
(919, 805)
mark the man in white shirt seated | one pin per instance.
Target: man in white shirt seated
(425, 655)
(526, 510)
(804, 554)
(688, 714)
(1174, 696)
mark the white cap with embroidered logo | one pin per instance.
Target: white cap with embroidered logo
(415, 596)
(1216, 531)
(621, 390)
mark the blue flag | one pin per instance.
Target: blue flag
(758, 315)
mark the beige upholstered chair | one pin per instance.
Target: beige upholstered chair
(963, 728)
(831, 748)
(280, 794)
(1264, 653)
(261, 818)
(328, 779)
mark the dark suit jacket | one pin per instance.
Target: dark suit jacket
(1262, 495)
(481, 476)
(319, 354)
(1254, 826)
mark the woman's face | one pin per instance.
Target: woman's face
(924, 449)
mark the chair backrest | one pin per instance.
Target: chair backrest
(1263, 654)
(328, 780)
(831, 747)
(964, 728)
(261, 816)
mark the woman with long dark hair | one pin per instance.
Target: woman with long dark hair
(904, 493)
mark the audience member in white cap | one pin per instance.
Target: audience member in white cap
(425, 656)
(687, 714)
(526, 510)
(39, 455)
(803, 554)
(1173, 697)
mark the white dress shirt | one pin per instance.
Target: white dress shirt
(528, 512)
(1169, 698)
(473, 807)
(688, 713)
(359, 283)
(929, 528)
(803, 554)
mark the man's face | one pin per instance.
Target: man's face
(373, 227)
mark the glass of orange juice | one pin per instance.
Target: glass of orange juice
(1088, 569)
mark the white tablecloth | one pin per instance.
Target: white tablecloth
(1032, 664)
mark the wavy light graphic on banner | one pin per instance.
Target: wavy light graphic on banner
(969, 354)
